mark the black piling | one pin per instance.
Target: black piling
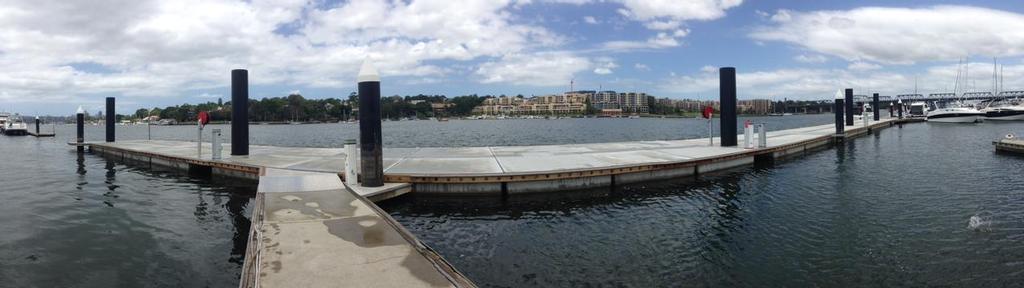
(239, 112)
(899, 109)
(840, 128)
(848, 110)
(80, 129)
(875, 107)
(37, 126)
(372, 161)
(727, 100)
(111, 117)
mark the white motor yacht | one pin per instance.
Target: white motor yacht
(15, 126)
(956, 113)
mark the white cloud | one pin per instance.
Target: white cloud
(641, 67)
(538, 69)
(661, 40)
(647, 10)
(900, 35)
(605, 66)
(590, 20)
(709, 69)
(814, 58)
(161, 48)
(863, 66)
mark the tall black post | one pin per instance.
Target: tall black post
(37, 126)
(239, 112)
(111, 117)
(874, 106)
(80, 128)
(370, 153)
(899, 108)
(849, 107)
(727, 100)
(840, 128)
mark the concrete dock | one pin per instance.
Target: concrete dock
(1009, 145)
(310, 230)
(500, 169)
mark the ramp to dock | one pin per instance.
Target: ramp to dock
(309, 231)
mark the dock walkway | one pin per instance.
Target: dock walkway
(500, 169)
(310, 231)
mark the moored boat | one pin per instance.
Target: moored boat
(15, 126)
(1004, 112)
(955, 115)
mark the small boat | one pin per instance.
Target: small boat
(956, 113)
(15, 126)
(634, 116)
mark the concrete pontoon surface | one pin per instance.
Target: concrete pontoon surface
(485, 161)
(309, 231)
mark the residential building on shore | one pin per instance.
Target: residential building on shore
(567, 103)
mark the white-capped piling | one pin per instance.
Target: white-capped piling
(839, 113)
(370, 126)
(80, 128)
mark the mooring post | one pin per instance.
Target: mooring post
(874, 107)
(848, 110)
(215, 146)
(80, 128)
(369, 126)
(239, 112)
(37, 126)
(111, 117)
(762, 137)
(351, 176)
(839, 113)
(727, 100)
(899, 108)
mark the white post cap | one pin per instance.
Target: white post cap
(80, 110)
(839, 94)
(368, 73)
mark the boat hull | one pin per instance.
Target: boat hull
(955, 118)
(1005, 115)
(15, 132)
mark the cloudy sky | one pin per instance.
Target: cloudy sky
(60, 54)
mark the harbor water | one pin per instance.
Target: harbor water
(923, 205)
(926, 204)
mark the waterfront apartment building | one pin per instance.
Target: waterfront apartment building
(630, 102)
(754, 106)
(539, 105)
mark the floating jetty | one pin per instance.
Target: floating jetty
(1009, 145)
(494, 170)
(309, 229)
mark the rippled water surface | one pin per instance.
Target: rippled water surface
(85, 221)
(890, 209)
(894, 208)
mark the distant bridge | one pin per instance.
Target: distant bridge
(965, 96)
